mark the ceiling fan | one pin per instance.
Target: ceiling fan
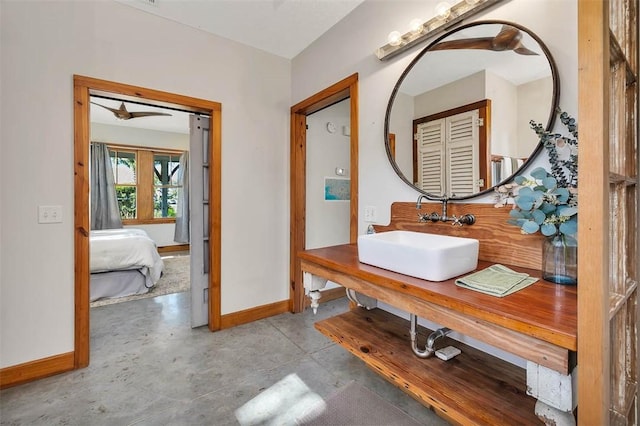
(509, 38)
(123, 114)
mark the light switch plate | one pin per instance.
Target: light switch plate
(49, 214)
(369, 214)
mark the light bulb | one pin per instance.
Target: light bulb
(443, 10)
(415, 26)
(394, 38)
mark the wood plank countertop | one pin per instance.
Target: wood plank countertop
(544, 310)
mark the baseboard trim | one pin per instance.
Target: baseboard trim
(34, 370)
(254, 314)
(178, 247)
(45, 367)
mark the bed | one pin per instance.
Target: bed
(123, 262)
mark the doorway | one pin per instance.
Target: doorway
(345, 89)
(139, 245)
(84, 87)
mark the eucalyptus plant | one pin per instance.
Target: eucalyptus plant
(548, 201)
(564, 165)
(541, 205)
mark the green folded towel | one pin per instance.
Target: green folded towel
(496, 280)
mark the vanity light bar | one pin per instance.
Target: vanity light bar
(438, 24)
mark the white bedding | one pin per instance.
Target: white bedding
(125, 249)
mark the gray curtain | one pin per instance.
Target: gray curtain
(105, 213)
(181, 234)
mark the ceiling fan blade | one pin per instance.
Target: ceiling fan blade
(120, 113)
(506, 38)
(484, 43)
(123, 114)
(524, 51)
(509, 38)
(113, 110)
(145, 114)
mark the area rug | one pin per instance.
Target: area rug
(175, 279)
(355, 405)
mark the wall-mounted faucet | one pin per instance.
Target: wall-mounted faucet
(467, 219)
(419, 203)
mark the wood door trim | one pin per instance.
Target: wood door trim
(83, 87)
(347, 88)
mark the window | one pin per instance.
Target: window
(165, 184)
(123, 164)
(146, 183)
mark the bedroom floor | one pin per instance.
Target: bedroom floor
(148, 367)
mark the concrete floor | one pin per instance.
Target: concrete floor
(148, 367)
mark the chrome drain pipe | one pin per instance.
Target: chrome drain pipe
(429, 348)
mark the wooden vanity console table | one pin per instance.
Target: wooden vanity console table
(538, 324)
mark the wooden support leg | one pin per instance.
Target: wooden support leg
(312, 286)
(315, 296)
(555, 393)
(551, 416)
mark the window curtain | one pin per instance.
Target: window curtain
(181, 234)
(105, 213)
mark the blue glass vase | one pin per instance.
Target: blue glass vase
(560, 259)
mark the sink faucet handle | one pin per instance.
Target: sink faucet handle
(466, 219)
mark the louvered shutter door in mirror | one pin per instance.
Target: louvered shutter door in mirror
(431, 142)
(462, 153)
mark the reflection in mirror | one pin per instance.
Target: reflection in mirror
(460, 112)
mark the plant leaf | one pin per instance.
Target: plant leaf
(569, 227)
(548, 208)
(530, 227)
(517, 222)
(563, 195)
(538, 216)
(525, 202)
(526, 191)
(549, 182)
(539, 198)
(567, 211)
(548, 229)
(539, 173)
(519, 180)
(517, 214)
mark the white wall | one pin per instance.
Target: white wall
(327, 222)
(139, 137)
(403, 106)
(366, 29)
(504, 106)
(43, 45)
(511, 135)
(465, 91)
(530, 105)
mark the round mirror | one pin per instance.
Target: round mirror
(458, 120)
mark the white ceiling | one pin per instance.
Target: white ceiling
(282, 27)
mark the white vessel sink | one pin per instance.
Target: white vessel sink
(428, 256)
